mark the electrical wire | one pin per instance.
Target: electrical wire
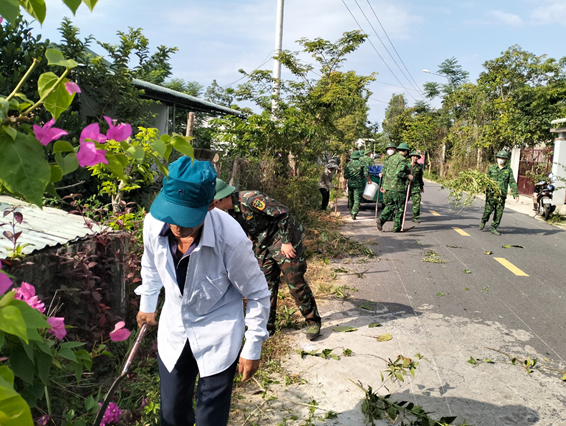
(378, 54)
(267, 58)
(386, 49)
(394, 85)
(378, 100)
(387, 35)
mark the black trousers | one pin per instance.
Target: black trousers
(177, 391)
(325, 198)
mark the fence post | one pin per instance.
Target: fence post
(559, 161)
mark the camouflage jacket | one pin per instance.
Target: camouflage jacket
(266, 221)
(504, 178)
(355, 172)
(366, 161)
(395, 173)
(417, 184)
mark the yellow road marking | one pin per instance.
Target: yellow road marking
(459, 231)
(511, 267)
(434, 213)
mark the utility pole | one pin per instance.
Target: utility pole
(278, 46)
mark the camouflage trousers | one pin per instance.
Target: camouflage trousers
(493, 205)
(416, 200)
(354, 199)
(394, 205)
(293, 271)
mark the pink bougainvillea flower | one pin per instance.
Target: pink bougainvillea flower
(119, 133)
(26, 292)
(47, 133)
(92, 132)
(88, 155)
(5, 281)
(58, 324)
(42, 421)
(72, 88)
(120, 333)
(111, 415)
(1, 19)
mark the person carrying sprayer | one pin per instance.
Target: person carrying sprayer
(417, 186)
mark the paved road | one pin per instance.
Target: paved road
(512, 301)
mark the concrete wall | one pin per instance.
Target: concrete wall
(161, 120)
(514, 164)
(559, 169)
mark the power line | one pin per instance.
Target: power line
(379, 38)
(378, 100)
(389, 84)
(376, 51)
(387, 35)
(267, 58)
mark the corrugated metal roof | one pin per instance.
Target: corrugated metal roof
(41, 228)
(170, 96)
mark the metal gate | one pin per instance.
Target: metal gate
(533, 161)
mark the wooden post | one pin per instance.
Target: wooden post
(190, 124)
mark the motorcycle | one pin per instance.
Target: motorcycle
(542, 197)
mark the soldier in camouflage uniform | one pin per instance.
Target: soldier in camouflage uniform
(278, 245)
(503, 175)
(365, 158)
(356, 173)
(396, 175)
(417, 185)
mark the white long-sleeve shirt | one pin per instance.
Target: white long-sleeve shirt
(222, 271)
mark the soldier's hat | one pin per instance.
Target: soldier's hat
(223, 189)
(390, 145)
(403, 147)
(367, 151)
(502, 154)
(355, 155)
(415, 154)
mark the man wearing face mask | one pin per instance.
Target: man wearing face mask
(503, 175)
(396, 176)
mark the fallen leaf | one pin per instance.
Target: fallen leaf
(343, 329)
(513, 245)
(467, 271)
(384, 337)
(488, 252)
(439, 294)
(366, 307)
(374, 324)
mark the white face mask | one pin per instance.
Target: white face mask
(501, 161)
(390, 152)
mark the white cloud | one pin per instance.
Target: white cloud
(506, 18)
(552, 12)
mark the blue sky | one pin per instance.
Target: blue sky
(217, 37)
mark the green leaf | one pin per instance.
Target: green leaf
(7, 375)
(183, 146)
(472, 361)
(165, 138)
(564, 378)
(367, 307)
(63, 146)
(116, 164)
(72, 345)
(73, 5)
(67, 353)
(45, 346)
(7, 298)
(21, 364)
(23, 168)
(9, 9)
(55, 57)
(90, 3)
(35, 8)
(136, 152)
(10, 131)
(343, 329)
(2, 339)
(85, 357)
(56, 173)
(15, 411)
(160, 147)
(43, 363)
(89, 403)
(12, 322)
(68, 163)
(29, 350)
(374, 324)
(466, 271)
(59, 99)
(447, 420)
(439, 294)
(384, 337)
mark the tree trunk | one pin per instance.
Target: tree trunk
(234, 174)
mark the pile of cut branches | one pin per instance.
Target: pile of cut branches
(468, 185)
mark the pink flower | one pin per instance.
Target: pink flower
(58, 324)
(1, 19)
(47, 133)
(42, 421)
(111, 415)
(145, 401)
(72, 88)
(120, 132)
(88, 155)
(92, 132)
(120, 333)
(26, 292)
(5, 281)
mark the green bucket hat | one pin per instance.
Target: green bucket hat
(223, 189)
(403, 147)
(367, 151)
(186, 194)
(502, 154)
(415, 154)
(390, 145)
(355, 155)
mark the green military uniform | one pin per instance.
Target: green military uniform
(394, 181)
(365, 160)
(269, 224)
(495, 203)
(355, 173)
(417, 186)
(387, 157)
